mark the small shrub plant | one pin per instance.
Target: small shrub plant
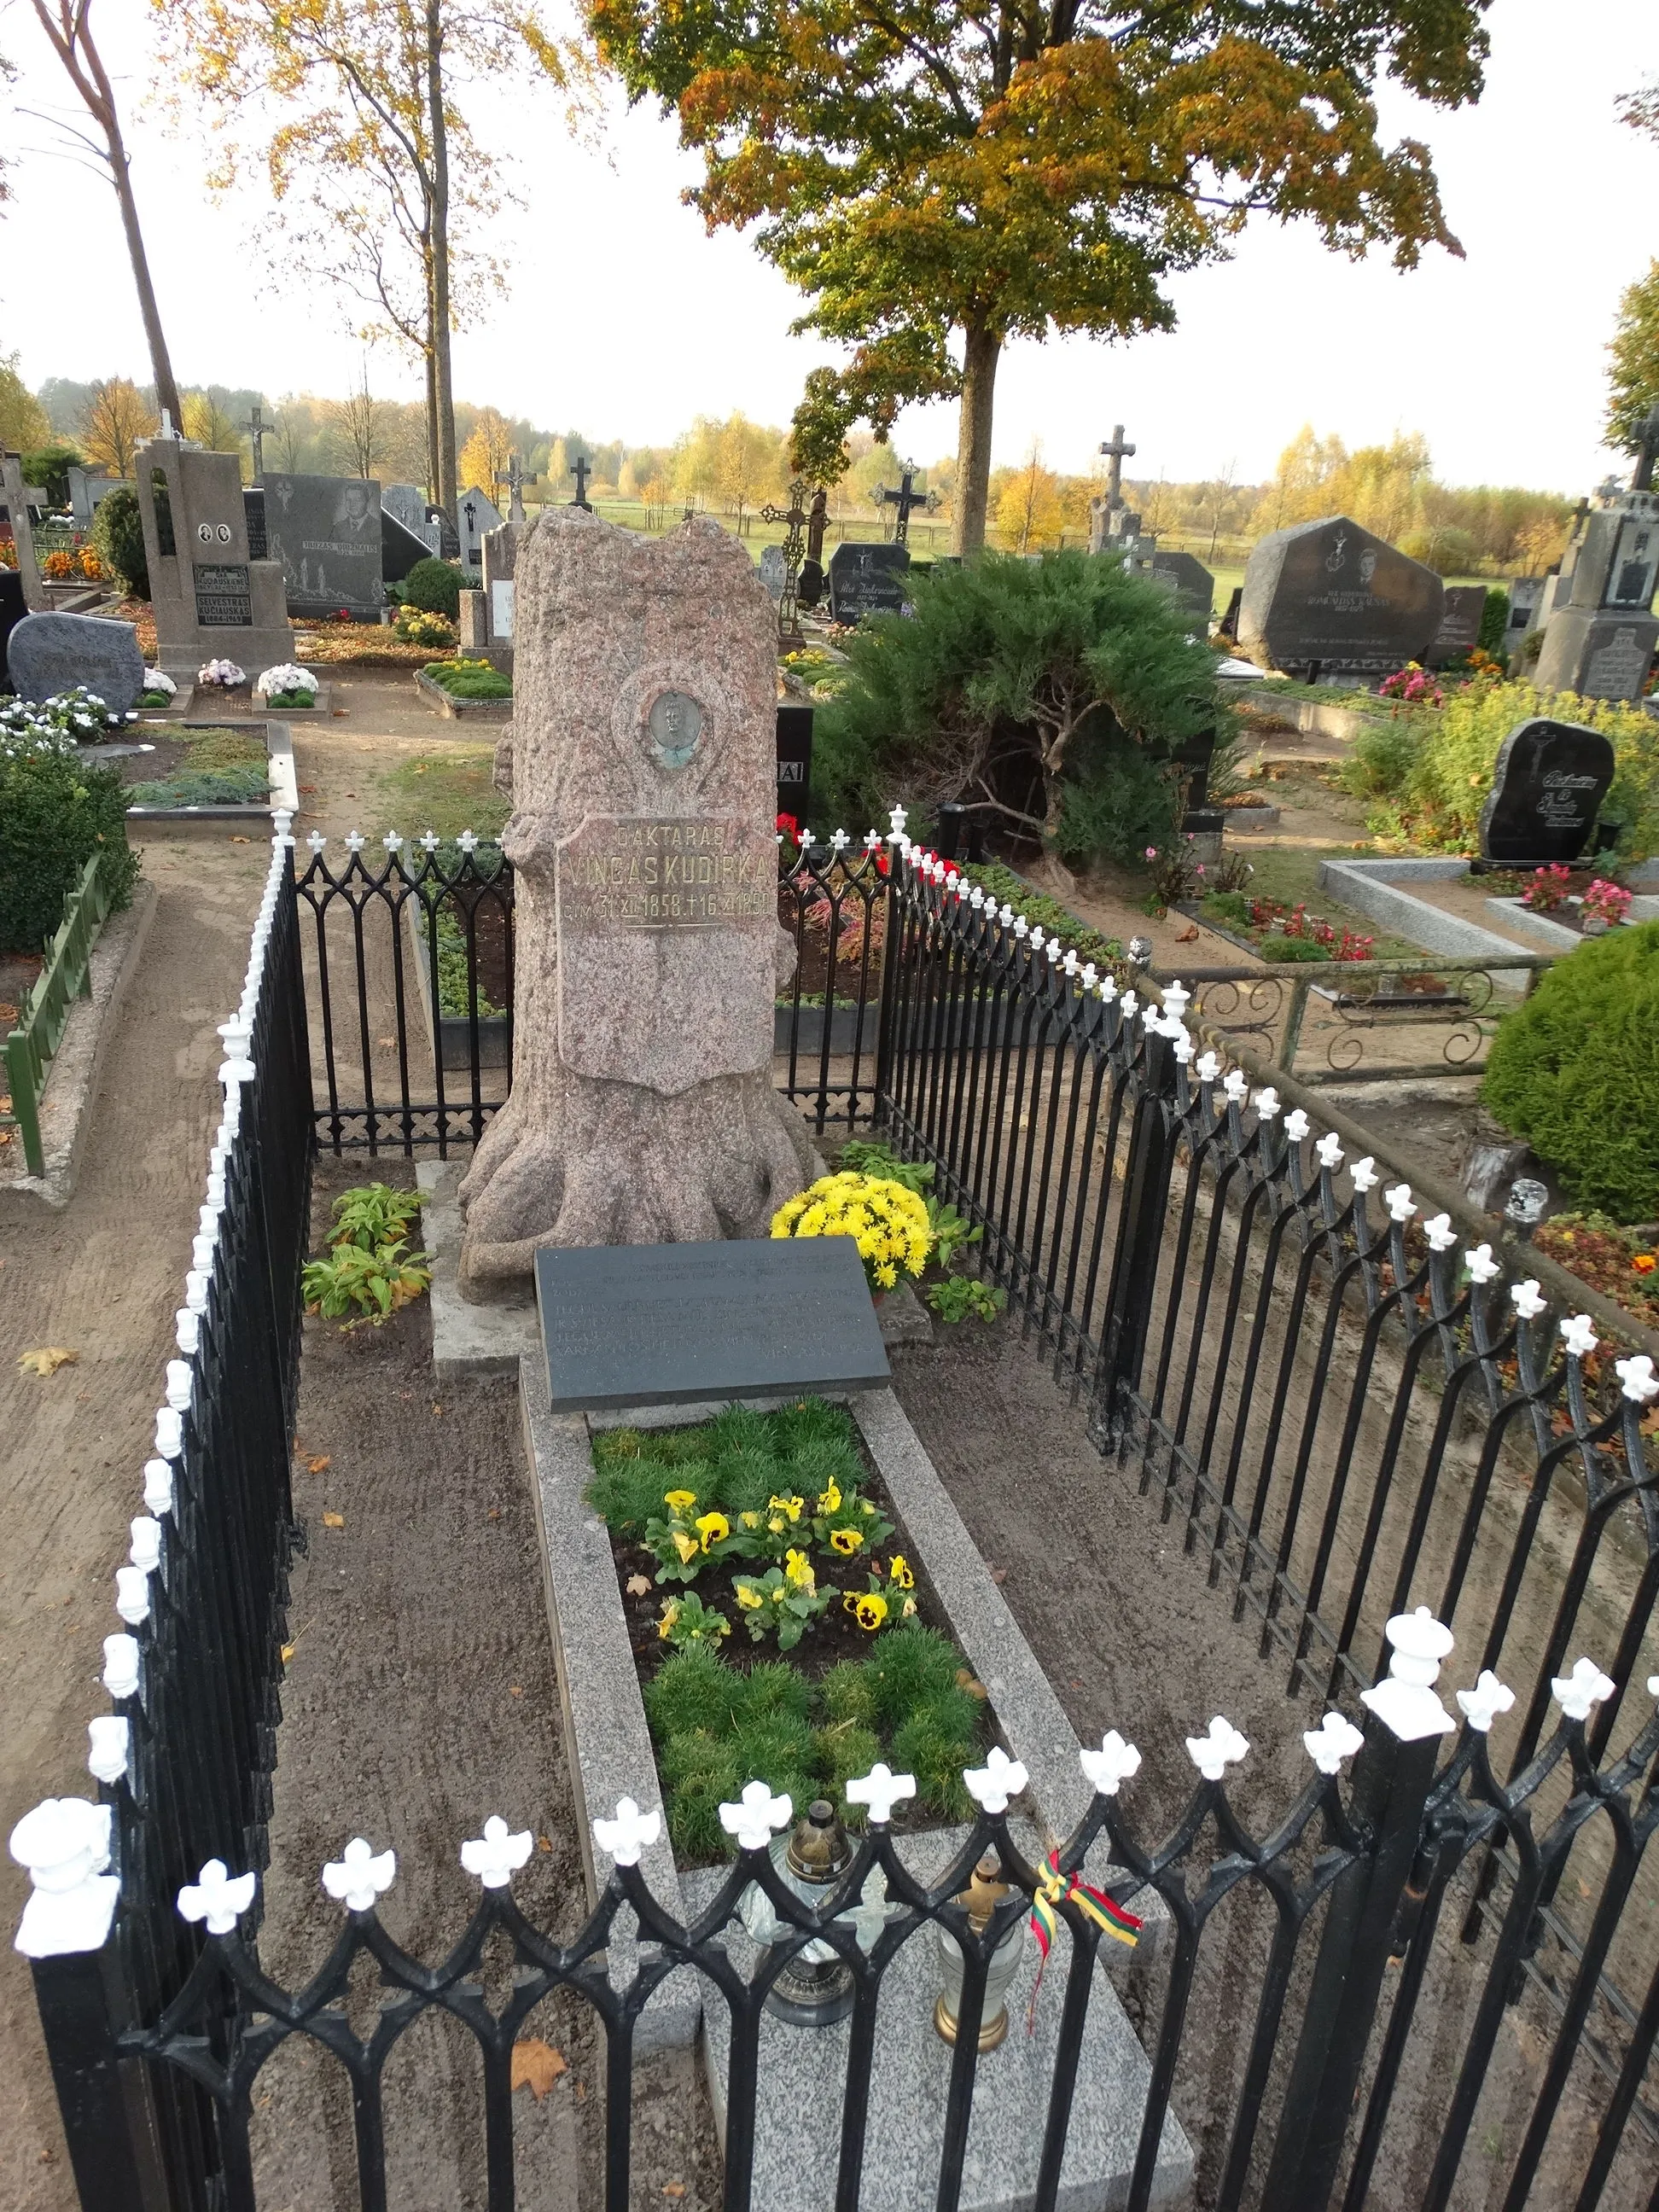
(415, 626)
(367, 1272)
(1574, 1069)
(56, 811)
(434, 587)
(118, 541)
(470, 679)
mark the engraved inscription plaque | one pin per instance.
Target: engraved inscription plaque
(223, 599)
(638, 872)
(664, 1325)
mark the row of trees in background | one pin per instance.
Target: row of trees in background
(733, 468)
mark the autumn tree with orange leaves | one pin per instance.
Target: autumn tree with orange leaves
(941, 176)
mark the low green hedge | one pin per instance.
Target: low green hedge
(468, 679)
(1575, 1071)
(55, 812)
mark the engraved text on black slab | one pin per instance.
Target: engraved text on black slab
(222, 597)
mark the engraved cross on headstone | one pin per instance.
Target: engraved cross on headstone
(580, 472)
(256, 425)
(906, 497)
(793, 518)
(1117, 450)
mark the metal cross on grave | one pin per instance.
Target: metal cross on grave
(516, 481)
(793, 518)
(580, 472)
(256, 425)
(904, 499)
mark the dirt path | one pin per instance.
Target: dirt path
(101, 1277)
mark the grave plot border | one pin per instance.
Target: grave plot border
(283, 799)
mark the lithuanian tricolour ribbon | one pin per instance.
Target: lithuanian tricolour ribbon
(1054, 1888)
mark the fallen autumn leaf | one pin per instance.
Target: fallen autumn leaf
(48, 1358)
(536, 2066)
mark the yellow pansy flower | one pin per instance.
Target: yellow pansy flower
(798, 1568)
(830, 1499)
(684, 1545)
(871, 1610)
(748, 1597)
(671, 1613)
(846, 1540)
(713, 1528)
(909, 1606)
(791, 1506)
(899, 1572)
(749, 1520)
(679, 1501)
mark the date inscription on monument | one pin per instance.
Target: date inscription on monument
(223, 595)
(641, 872)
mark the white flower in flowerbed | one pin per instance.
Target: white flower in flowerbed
(78, 717)
(288, 685)
(225, 675)
(159, 687)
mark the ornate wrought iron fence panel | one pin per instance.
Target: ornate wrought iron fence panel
(833, 906)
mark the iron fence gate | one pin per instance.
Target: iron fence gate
(1330, 1398)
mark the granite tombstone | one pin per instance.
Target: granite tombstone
(13, 608)
(53, 653)
(214, 597)
(647, 953)
(795, 727)
(1525, 594)
(1329, 595)
(487, 615)
(1548, 783)
(1192, 583)
(326, 531)
(868, 580)
(1599, 637)
(1460, 624)
(773, 573)
(638, 1326)
(475, 515)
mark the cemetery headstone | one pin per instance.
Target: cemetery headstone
(868, 580)
(212, 598)
(1459, 625)
(1329, 595)
(1601, 635)
(1525, 594)
(326, 531)
(637, 1325)
(486, 615)
(647, 953)
(400, 549)
(53, 653)
(1548, 784)
(475, 514)
(794, 726)
(1192, 584)
(15, 498)
(87, 491)
(772, 570)
(13, 608)
(408, 507)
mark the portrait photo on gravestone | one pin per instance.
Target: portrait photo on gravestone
(326, 531)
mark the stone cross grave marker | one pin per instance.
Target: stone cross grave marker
(648, 955)
(868, 580)
(1329, 596)
(904, 499)
(516, 481)
(1548, 784)
(256, 425)
(326, 531)
(582, 470)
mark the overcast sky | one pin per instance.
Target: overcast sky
(624, 320)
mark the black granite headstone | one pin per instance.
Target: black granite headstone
(1459, 625)
(326, 531)
(1192, 582)
(13, 608)
(1329, 594)
(868, 580)
(1548, 784)
(794, 761)
(676, 1324)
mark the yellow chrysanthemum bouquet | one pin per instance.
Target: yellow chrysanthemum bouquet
(888, 1222)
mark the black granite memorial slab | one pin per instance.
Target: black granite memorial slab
(1329, 595)
(1459, 625)
(680, 1324)
(794, 761)
(13, 608)
(868, 580)
(1192, 584)
(326, 531)
(1548, 784)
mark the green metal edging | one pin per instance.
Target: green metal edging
(66, 976)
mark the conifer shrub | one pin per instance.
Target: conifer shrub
(1575, 1070)
(434, 587)
(55, 812)
(117, 538)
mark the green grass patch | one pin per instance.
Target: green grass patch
(221, 767)
(1290, 873)
(468, 679)
(446, 792)
(1008, 889)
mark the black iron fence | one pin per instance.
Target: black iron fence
(1440, 1988)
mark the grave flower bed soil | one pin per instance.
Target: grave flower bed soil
(725, 1710)
(202, 766)
(1622, 1263)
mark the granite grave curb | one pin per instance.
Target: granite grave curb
(72, 1075)
(1373, 887)
(796, 2172)
(1556, 932)
(189, 821)
(462, 710)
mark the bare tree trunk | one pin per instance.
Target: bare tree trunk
(71, 40)
(982, 350)
(442, 380)
(431, 406)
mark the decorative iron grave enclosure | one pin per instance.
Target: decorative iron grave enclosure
(1436, 1985)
